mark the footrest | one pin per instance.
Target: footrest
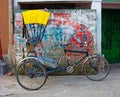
(49, 61)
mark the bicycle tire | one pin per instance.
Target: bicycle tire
(31, 75)
(96, 68)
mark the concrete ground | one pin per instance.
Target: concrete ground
(66, 86)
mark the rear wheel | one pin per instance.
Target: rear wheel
(96, 68)
(31, 75)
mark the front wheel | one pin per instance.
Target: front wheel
(96, 68)
(31, 75)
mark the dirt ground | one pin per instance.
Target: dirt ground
(66, 86)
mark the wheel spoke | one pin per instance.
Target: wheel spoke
(96, 68)
(31, 75)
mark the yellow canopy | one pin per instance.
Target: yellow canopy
(36, 16)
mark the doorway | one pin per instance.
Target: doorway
(111, 34)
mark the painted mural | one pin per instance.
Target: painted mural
(73, 27)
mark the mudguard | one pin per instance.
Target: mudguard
(26, 58)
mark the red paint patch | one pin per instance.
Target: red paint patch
(81, 36)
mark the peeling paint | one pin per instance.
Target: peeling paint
(71, 26)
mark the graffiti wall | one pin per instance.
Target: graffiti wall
(73, 27)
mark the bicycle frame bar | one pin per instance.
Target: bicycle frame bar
(56, 69)
(76, 51)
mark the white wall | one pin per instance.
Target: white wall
(97, 5)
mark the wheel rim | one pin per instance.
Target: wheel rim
(96, 69)
(31, 75)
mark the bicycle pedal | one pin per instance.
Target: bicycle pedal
(70, 69)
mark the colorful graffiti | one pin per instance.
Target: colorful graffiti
(18, 32)
(73, 27)
(68, 27)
